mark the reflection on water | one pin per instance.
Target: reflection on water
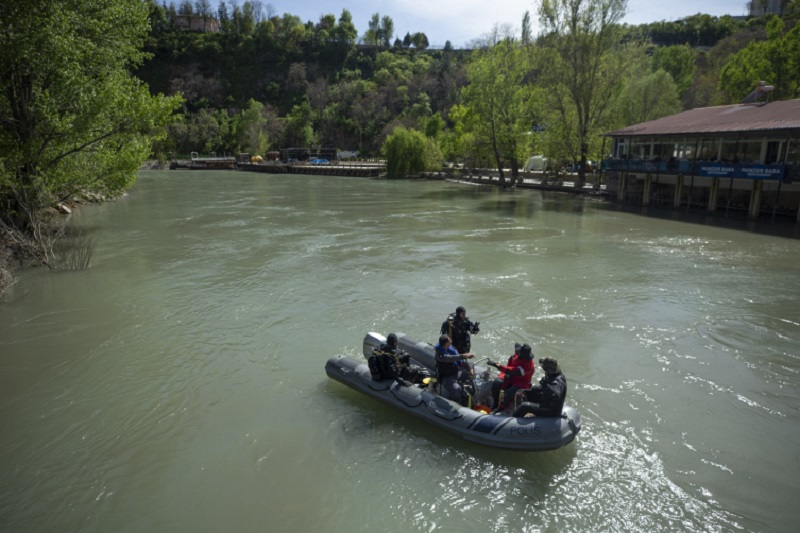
(179, 383)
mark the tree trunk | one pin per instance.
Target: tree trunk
(499, 166)
(514, 171)
(582, 167)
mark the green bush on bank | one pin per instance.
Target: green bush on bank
(409, 152)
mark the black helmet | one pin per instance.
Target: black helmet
(460, 310)
(391, 340)
(517, 346)
(525, 352)
(549, 365)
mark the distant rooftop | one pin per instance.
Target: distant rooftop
(739, 118)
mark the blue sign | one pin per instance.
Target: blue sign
(753, 172)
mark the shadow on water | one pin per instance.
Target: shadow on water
(781, 226)
(526, 203)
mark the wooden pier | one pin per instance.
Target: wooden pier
(359, 170)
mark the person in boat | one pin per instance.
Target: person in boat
(389, 362)
(514, 376)
(451, 369)
(547, 397)
(458, 327)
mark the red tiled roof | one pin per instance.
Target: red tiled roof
(739, 118)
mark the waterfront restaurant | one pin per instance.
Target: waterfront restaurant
(743, 157)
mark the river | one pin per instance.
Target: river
(178, 384)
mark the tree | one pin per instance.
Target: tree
(299, 126)
(648, 96)
(678, 60)
(583, 67)
(525, 34)
(222, 16)
(251, 129)
(72, 118)
(420, 41)
(387, 30)
(345, 32)
(373, 33)
(202, 8)
(410, 152)
(497, 102)
(186, 8)
(776, 61)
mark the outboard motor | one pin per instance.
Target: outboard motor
(372, 340)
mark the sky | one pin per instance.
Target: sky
(461, 21)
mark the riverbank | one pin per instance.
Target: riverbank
(20, 250)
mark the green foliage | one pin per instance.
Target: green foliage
(497, 101)
(776, 61)
(648, 96)
(72, 116)
(434, 126)
(409, 152)
(380, 31)
(585, 75)
(257, 129)
(678, 61)
(697, 30)
(584, 65)
(299, 130)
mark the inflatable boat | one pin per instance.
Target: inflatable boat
(498, 431)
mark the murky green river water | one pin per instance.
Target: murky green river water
(179, 384)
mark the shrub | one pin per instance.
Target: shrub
(409, 152)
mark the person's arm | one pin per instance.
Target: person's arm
(449, 356)
(508, 370)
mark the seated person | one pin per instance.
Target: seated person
(546, 398)
(514, 376)
(389, 362)
(452, 370)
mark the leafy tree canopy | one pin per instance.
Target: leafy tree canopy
(71, 115)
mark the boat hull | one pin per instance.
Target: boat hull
(506, 432)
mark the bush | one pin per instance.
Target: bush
(409, 152)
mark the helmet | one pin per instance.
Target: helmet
(460, 310)
(550, 365)
(517, 346)
(525, 352)
(391, 339)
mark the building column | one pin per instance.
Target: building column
(755, 199)
(713, 193)
(678, 191)
(623, 182)
(648, 189)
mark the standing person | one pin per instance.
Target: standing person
(452, 369)
(514, 376)
(546, 398)
(458, 327)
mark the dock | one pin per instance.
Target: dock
(360, 169)
(354, 169)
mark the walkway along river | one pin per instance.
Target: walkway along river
(179, 384)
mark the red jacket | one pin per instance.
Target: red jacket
(519, 372)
